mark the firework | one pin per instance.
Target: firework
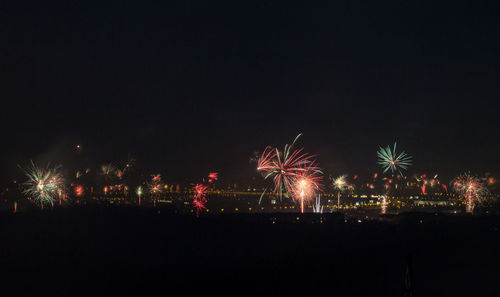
(199, 199)
(427, 184)
(79, 173)
(43, 184)
(383, 205)
(389, 159)
(108, 169)
(286, 167)
(78, 191)
(139, 192)
(265, 163)
(472, 189)
(155, 185)
(340, 184)
(128, 166)
(307, 184)
(200, 190)
(213, 176)
(119, 173)
(317, 207)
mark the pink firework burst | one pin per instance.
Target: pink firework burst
(199, 199)
(286, 167)
(307, 184)
(213, 176)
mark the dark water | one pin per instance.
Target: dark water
(132, 252)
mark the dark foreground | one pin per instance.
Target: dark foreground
(130, 252)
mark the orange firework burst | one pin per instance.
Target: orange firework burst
(78, 191)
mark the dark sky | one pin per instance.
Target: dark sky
(186, 87)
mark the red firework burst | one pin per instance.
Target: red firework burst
(78, 191)
(213, 175)
(155, 187)
(199, 199)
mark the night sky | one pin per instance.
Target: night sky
(188, 87)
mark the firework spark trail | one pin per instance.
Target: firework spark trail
(264, 165)
(384, 205)
(317, 207)
(199, 199)
(390, 160)
(79, 173)
(139, 193)
(108, 169)
(265, 161)
(285, 167)
(43, 183)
